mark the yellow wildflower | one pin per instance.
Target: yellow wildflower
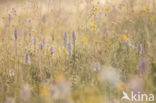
(60, 77)
(120, 86)
(21, 60)
(107, 8)
(13, 26)
(99, 46)
(84, 39)
(96, 9)
(46, 31)
(144, 10)
(64, 50)
(12, 59)
(152, 19)
(93, 26)
(109, 42)
(4, 73)
(39, 75)
(147, 8)
(47, 51)
(44, 91)
(1, 27)
(124, 37)
(123, 4)
(95, 41)
(140, 14)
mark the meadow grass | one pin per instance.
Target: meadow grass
(82, 51)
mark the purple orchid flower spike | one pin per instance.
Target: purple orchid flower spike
(15, 34)
(73, 36)
(65, 39)
(51, 49)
